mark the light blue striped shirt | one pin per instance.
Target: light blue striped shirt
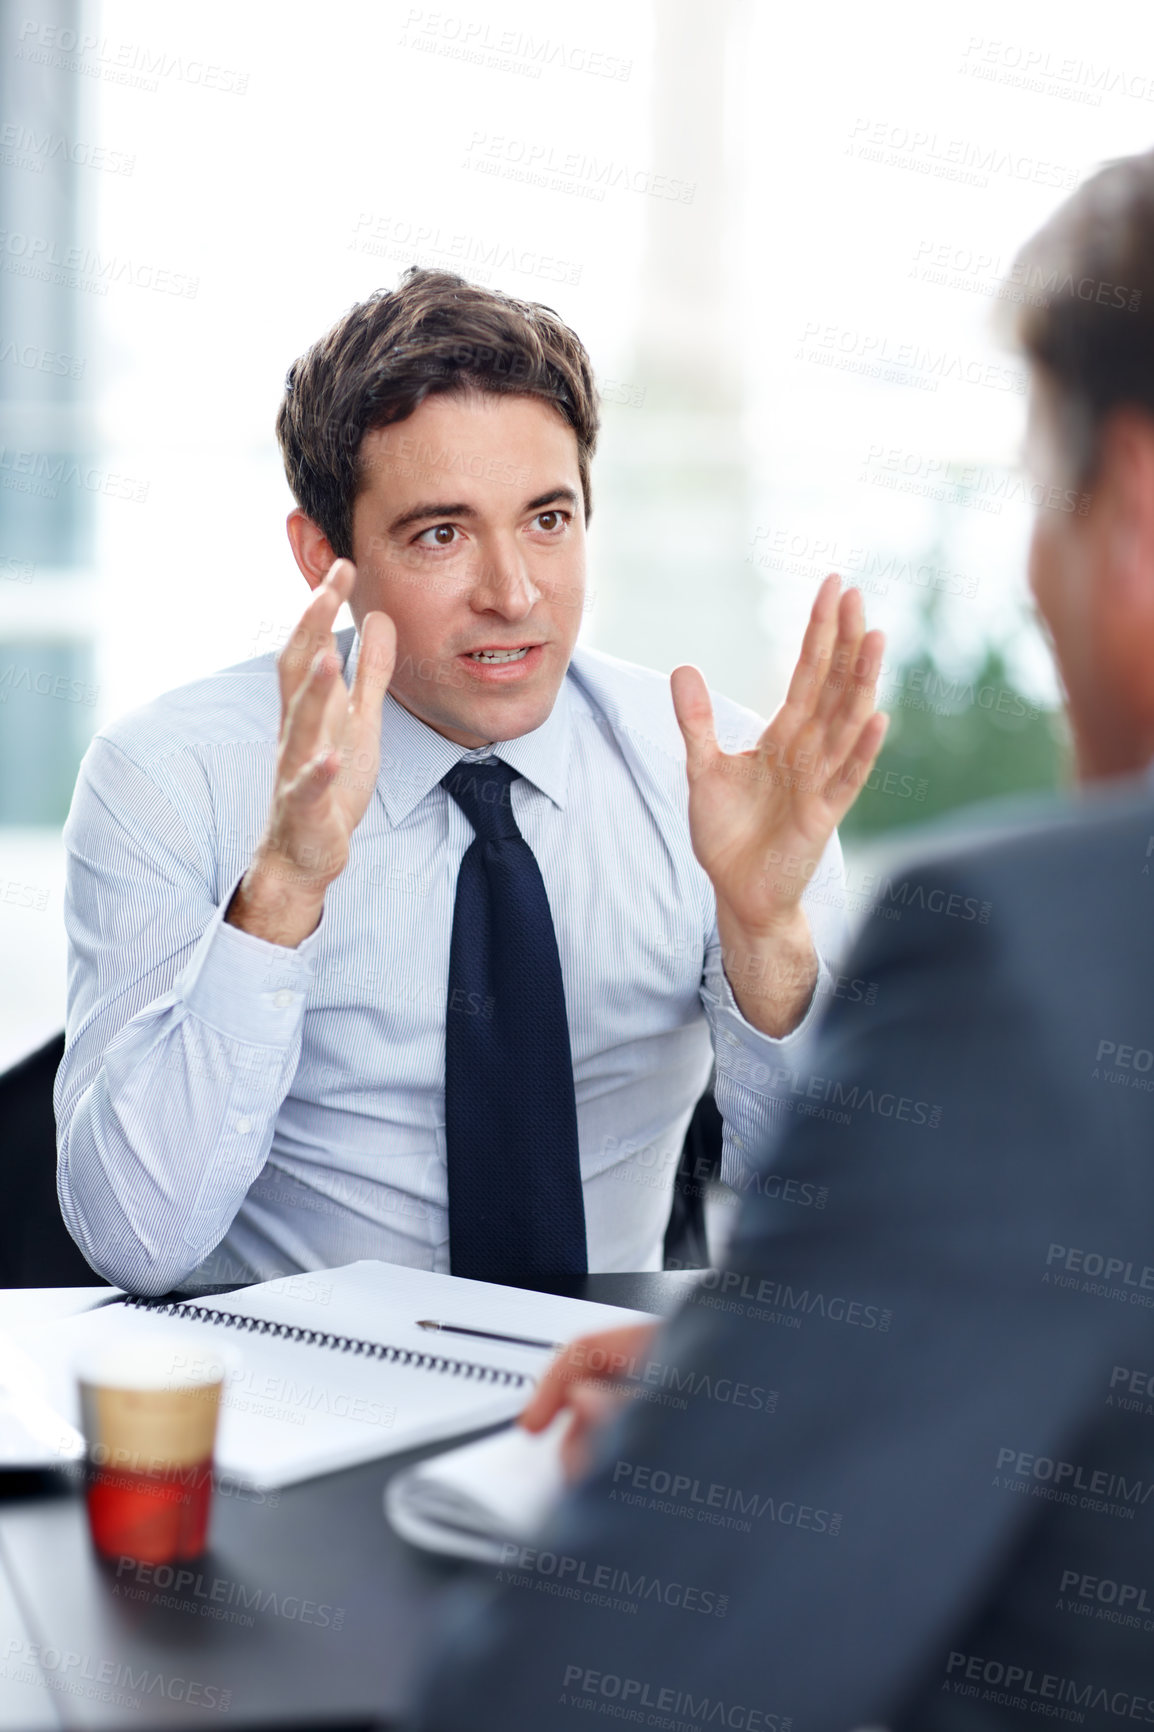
(233, 1109)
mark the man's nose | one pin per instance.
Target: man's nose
(502, 584)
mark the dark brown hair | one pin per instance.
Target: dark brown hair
(1081, 305)
(434, 333)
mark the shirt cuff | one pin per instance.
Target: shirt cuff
(245, 987)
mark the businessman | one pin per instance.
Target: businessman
(415, 941)
(895, 1466)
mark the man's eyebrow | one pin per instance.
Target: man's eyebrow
(422, 511)
(557, 493)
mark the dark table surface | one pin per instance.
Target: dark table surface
(307, 1607)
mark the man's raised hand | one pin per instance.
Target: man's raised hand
(760, 819)
(327, 764)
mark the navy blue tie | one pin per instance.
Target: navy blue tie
(516, 1211)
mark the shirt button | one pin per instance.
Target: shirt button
(732, 1038)
(283, 1000)
(244, 1126)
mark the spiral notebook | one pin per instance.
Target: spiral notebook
(332, 1368)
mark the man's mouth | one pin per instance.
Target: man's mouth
(499, 655)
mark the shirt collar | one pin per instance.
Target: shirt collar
(414, 756)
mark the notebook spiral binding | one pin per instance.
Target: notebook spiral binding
(340, 1343)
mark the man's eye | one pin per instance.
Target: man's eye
(442, 534)
(551, 521)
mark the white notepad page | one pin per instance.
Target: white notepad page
(294, 1409)
(478, 1499)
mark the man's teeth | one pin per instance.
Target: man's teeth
(499, 655)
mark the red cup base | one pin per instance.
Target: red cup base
(152, 1518)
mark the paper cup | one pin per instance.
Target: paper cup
(149, 1411)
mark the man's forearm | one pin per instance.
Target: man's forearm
(772, 973)
(276, 903)
(160, 1150)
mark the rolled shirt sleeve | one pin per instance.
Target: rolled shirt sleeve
(755, 1072)
(183, 1033)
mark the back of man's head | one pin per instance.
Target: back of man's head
(1081, 303)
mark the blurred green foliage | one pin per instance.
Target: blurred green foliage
(954, 740)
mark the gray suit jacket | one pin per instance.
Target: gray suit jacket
(896, 1463)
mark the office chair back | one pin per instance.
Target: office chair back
(36, 1248)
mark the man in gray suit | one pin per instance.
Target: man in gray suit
(895, 1464)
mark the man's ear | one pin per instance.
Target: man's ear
(311, 547)
(1120, 621)
(1128, 462)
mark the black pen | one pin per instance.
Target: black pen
(491, 1335)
